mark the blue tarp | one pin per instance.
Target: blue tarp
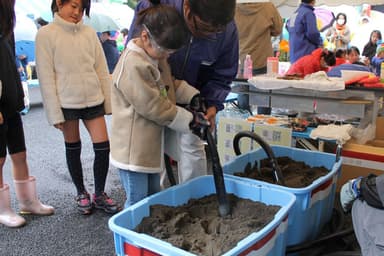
(26, 48)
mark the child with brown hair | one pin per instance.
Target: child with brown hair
(143, 101)
(75, 85)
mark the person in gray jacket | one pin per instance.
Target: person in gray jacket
(365, 196)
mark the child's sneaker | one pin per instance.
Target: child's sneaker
(104, 202)
(84, 204)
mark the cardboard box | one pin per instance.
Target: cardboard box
(228, 127)
(360, 160)
(379, 128)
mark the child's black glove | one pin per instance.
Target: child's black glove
(198, 104)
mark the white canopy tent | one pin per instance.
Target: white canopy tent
(360, 32)
(121, 13)
(32, 8)
(294, 3)
(287, 7)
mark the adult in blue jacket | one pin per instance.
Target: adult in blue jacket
(110, 50)
(357, 66)
(208, 62)
(304, 37)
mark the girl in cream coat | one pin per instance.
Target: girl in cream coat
(143, 101)
(76, 85)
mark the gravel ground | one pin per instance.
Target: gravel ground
(66, 232)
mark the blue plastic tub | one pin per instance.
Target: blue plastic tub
(314, 203)
(270, 240)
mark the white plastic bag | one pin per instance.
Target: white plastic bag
(363, 135)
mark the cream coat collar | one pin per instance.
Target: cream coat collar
(69, 26)
(133, 47)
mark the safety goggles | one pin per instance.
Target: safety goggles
(155, 45)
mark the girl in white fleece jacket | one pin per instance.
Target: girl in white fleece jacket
(144, 96)
(75, 85)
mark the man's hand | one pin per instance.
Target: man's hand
(211, 116)
(199, 124)
(348, 193)
(1, 118)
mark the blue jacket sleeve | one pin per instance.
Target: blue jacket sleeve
(312, 33)
(133, 30)
(225, 70)
(376, 63)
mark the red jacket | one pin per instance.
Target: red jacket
(307, 64)
(340, 61)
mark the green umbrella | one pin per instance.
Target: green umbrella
(101, 22)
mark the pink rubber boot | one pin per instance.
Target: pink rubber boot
(7, 216)
(28, 201)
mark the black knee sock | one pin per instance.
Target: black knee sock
(100, 165)
(73, 151)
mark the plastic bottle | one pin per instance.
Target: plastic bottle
(239, 69)
(272, 66)
(248, 66)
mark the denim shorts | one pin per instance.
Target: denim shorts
(83, 113)
(12, 135)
